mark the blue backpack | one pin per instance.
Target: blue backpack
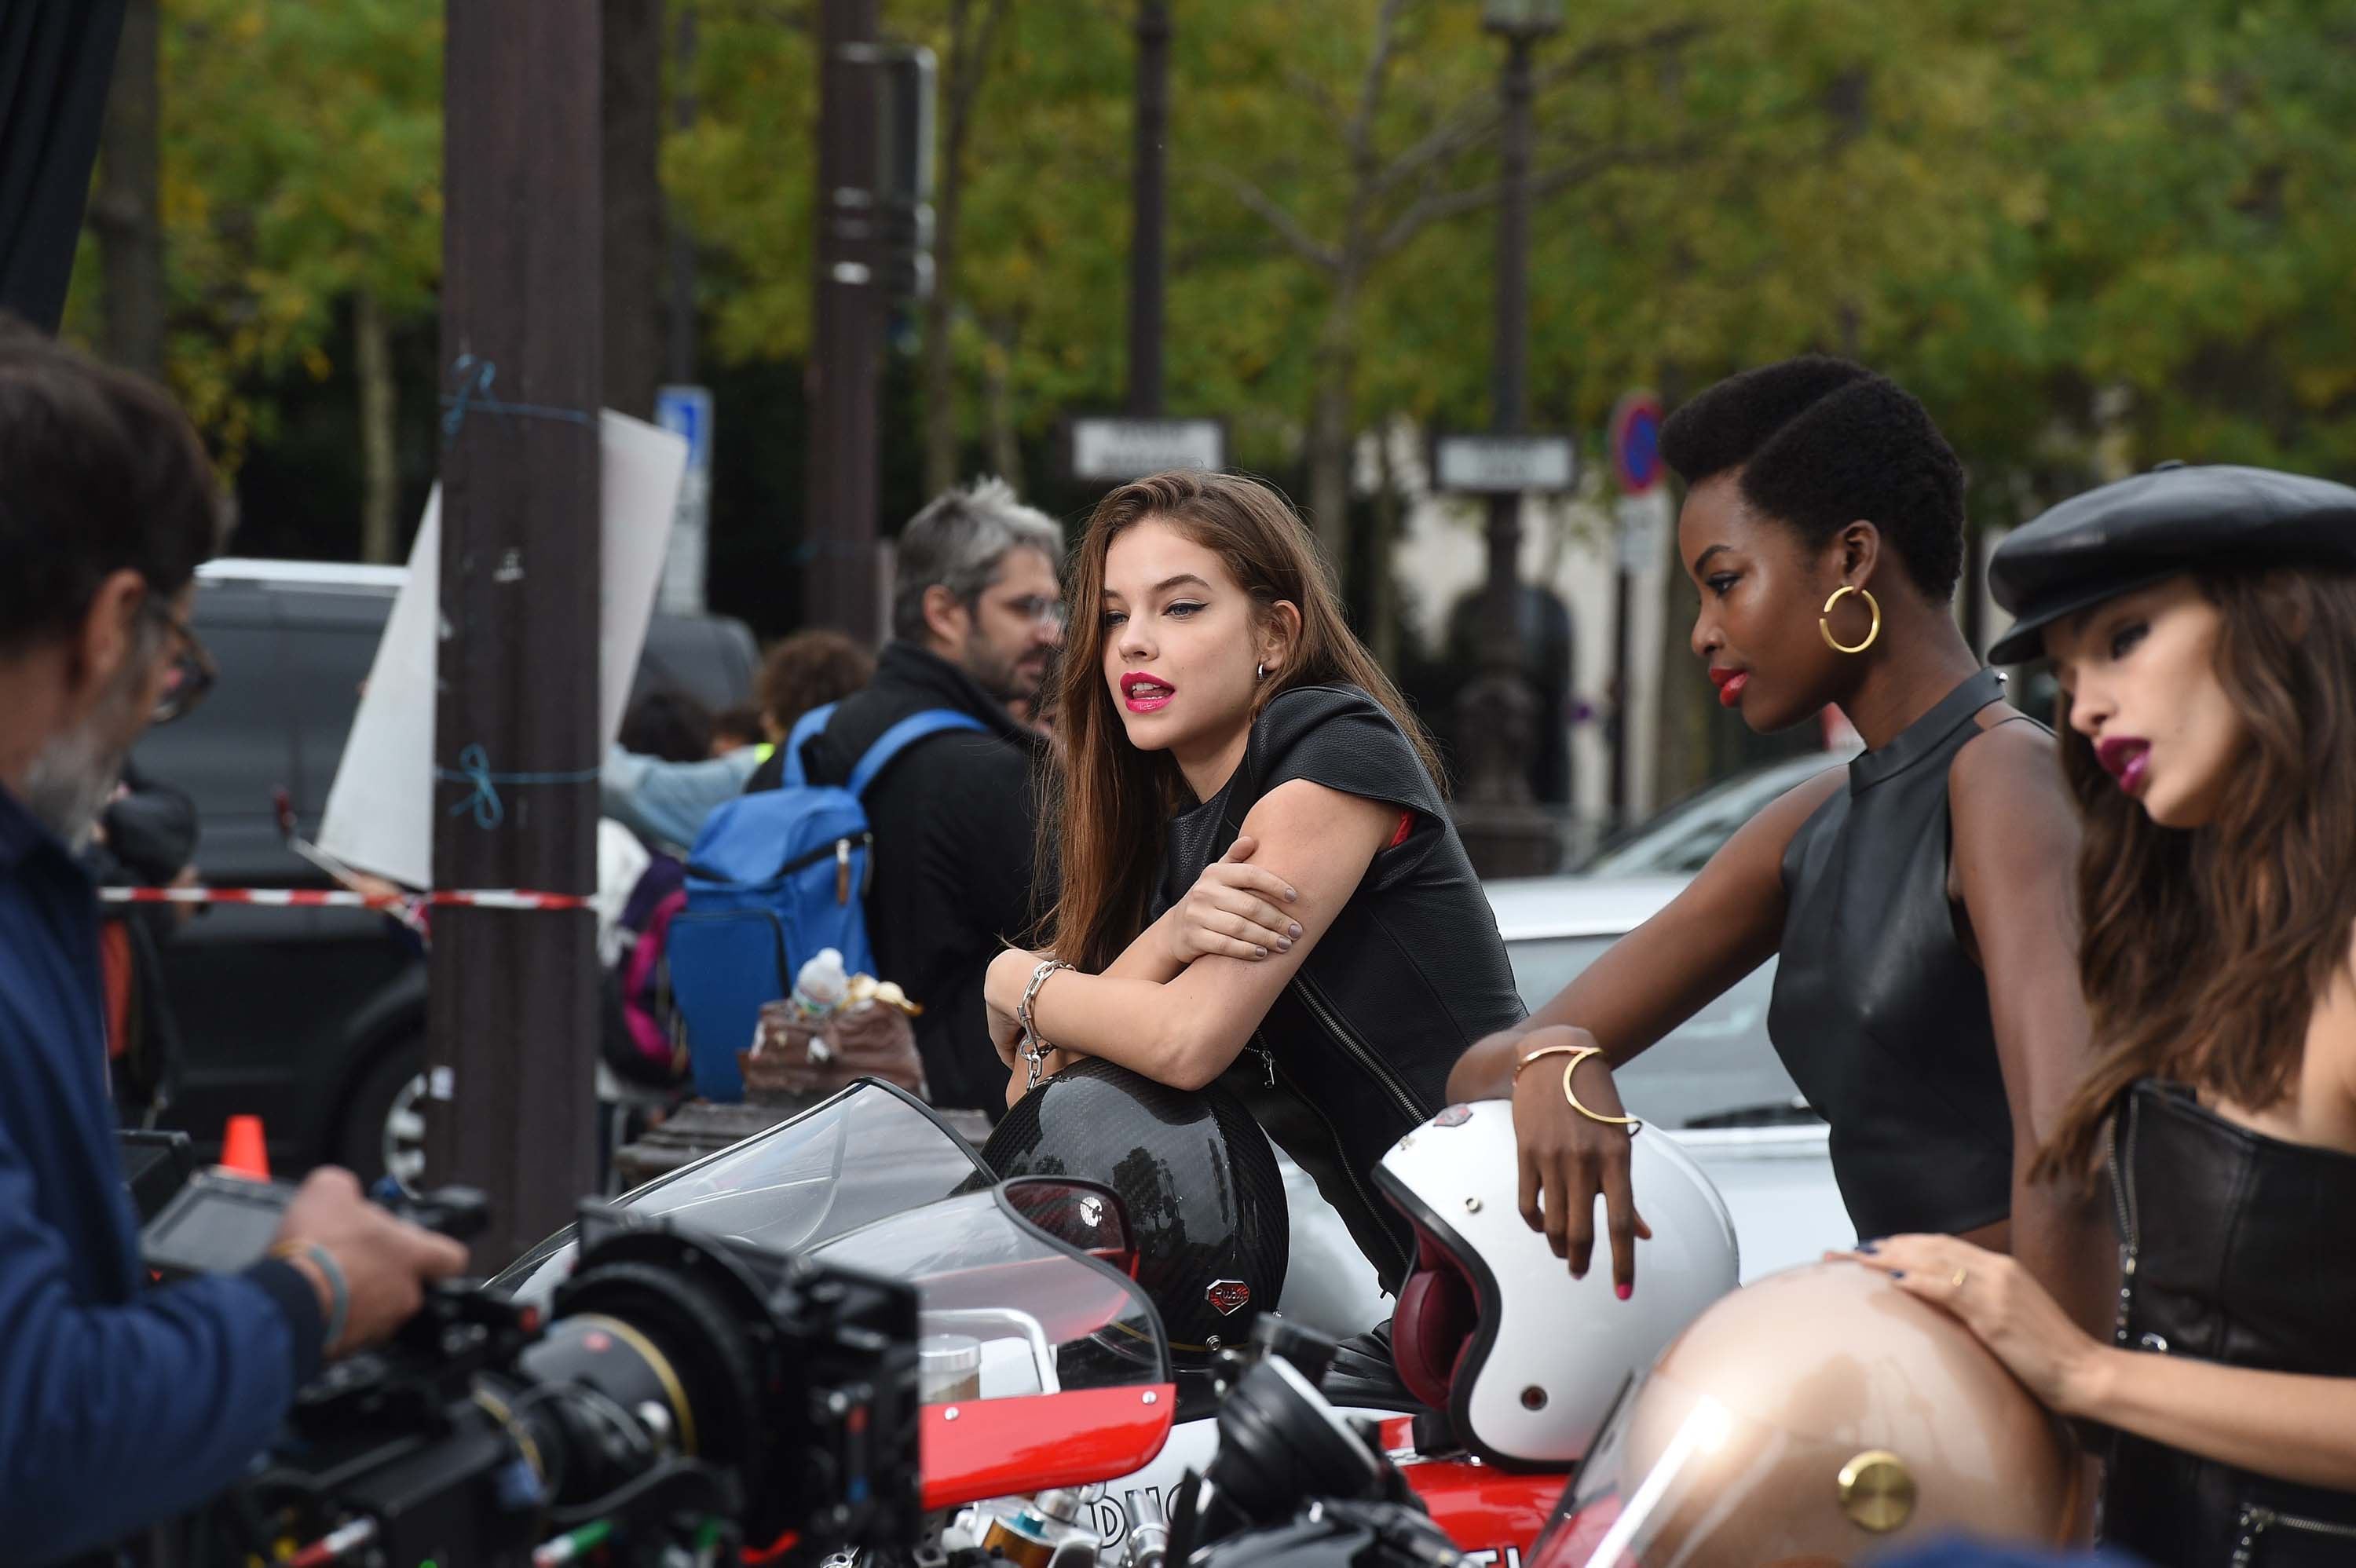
(772, 878)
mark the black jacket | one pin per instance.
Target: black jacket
(1355, 1051)
(954, 818)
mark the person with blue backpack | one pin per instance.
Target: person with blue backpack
(901, 827)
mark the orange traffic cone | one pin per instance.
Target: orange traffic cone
(244, 1152)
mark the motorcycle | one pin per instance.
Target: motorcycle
(1049, 1406)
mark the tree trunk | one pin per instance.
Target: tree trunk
(969, 64)
(939, 368)
(636, 236)
(127, 211)
(379, 480)
(1383, 591)
(998, 401)
(1335, 365)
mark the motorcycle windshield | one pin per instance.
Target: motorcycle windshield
(869, 1152)
(1023, 1289)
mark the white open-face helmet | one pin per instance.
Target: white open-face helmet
(1492, 1328)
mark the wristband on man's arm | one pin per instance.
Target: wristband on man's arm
(340, 1292)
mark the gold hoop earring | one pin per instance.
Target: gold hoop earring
(1825, 622)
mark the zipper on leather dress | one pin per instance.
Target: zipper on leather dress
(2123, 1194)
(1357, 1049)
(2255, 1522)
(1340, 1149)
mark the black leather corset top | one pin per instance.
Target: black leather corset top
(1879, 1014)
(2233, 1249)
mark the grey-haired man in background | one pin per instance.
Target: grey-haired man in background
(977, 618)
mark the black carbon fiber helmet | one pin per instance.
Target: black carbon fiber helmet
(1205, 1198)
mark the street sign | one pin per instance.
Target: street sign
(687, 411)
(1505, 464)
(1112, 450)
(1636, 441)
(1644, 529)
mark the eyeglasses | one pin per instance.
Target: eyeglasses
(193, 671)
(1040, 610)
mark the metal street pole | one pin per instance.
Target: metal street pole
(1497, 714)
(838, 529)
(1148, 240)
(1623, 742)
(513, 994)
(679, 359)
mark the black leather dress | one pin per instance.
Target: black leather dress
(2234, 1248)
(1355, 1053)
(1879, 1014)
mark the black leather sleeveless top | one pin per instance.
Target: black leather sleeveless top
(1879, 1015)
(2233, 1249)
(1355, 1053)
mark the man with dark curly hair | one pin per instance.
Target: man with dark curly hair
(1917, 902)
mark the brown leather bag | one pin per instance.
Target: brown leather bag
(801, 1061)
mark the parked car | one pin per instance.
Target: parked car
(1714, 1083)
(316, 1019)
(1681, 839)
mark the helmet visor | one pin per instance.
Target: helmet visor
(1678, 1479)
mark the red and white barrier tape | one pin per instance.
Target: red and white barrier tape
(316, 898)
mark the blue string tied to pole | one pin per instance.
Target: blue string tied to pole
(475, 377)
(475, 768)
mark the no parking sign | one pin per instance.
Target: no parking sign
(1636, 441)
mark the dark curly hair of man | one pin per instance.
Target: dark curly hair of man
(1821, 444)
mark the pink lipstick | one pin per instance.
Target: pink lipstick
(1143, 693)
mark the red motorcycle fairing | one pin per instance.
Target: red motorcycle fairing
(1493, 1516)
(1005, 1447)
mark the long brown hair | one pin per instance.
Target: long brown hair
(1108, 803)
(2205, 949)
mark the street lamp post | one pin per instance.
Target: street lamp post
(1150, 174)
(1497, 715)
(846, 336)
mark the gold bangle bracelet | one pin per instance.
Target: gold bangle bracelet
(1571, 1095)
(1546, 1051)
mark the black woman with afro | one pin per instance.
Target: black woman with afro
(1918, 900)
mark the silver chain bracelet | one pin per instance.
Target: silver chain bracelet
(1034, 1050)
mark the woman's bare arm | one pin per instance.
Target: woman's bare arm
(1185, 1030)
(1727, 922)
(2014, 849)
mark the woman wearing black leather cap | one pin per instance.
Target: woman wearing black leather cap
(1924, 1000)
(2203, 624)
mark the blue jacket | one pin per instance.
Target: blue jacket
(119, 1407)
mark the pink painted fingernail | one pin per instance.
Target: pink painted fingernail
(1623, 1291)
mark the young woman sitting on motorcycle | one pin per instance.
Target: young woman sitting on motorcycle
(1260, 882)
(1924, 1000)
(2202, 624)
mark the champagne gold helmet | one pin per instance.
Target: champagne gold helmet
(1820, 1418)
